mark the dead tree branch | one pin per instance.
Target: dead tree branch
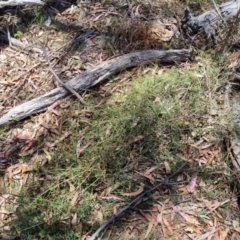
(20, 2)
(123, 210)
(94, 76)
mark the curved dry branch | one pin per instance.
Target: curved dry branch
(94, 76)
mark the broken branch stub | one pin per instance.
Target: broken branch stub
(208, 21)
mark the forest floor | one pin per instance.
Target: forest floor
(66, 171)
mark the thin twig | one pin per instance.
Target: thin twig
(60, 81)
(218, 12)
(9, 37)
(113, 218)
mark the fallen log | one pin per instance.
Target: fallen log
(208, 21)
(20, 2)
(94, 76)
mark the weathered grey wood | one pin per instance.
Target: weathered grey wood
(94, 76)
(209, 20)
(20, 2)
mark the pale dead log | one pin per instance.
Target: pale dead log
(20, 2)
(209, 21)
(94, 76)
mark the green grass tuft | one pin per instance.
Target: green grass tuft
(146, 122)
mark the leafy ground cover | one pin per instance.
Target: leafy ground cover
(69, 169)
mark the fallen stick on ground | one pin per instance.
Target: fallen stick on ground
(94, 76)
(123, 210)
(60, 81)
(20, 2)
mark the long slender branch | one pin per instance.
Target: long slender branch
(109, 221)
(94, 76)
(60, 81)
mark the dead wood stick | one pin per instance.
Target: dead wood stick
(94, 76)
(123, 210)
(60, 81)
(20, 2)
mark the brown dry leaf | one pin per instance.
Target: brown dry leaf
(147, 176)
(157, 100)
(160, 221)
(192, 229)
(65, 135)
(23, 134)
(147, 172)
(24, 179)
(166, 201)
(82, 149)
(74, 220)
(100, 217)
(206, 235)
(115, 210)
(166, 223)
(14, 79)
(133, 194)
(234, 236)
(184, 190)
(223, 234)
(218, 214)
(74, 200)
(108, 131)
(167, 167)
(188, 218)
(52, 108)
(106, 192)
(213, 155)
(111, 196)
(192, 184)
(25, 149)
(233, 64)
(71, 187)
(26, 168)
(10, 174)
(137, 138)
(147, 216)
(214, 205)
(201, 160)
(65, 105)
(198, 75)
(127, 233)
(203, 152)
(150, 226)
(15, 169)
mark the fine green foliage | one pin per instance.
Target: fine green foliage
(146, 122)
